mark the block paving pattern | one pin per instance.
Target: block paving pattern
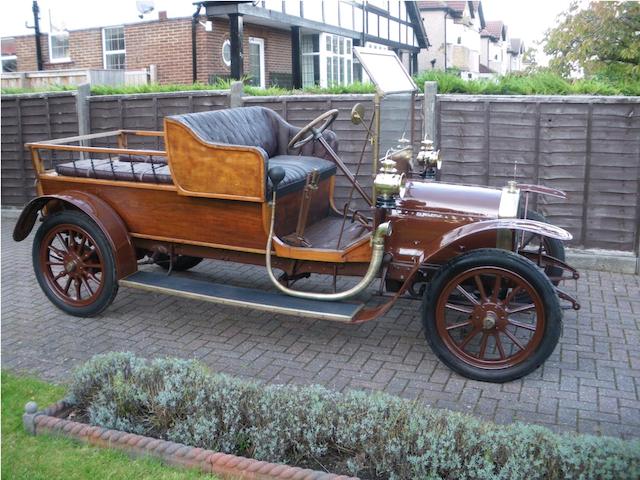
(590, 384)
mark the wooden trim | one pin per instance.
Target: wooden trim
(52, 175)
(210, 170)
(193, 242)
(114, 151)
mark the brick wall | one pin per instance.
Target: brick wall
(167, 44)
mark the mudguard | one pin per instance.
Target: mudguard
(99, 211)
(470, 229)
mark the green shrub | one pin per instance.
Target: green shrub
(372, 435)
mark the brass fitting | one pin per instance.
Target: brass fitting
(388, 182)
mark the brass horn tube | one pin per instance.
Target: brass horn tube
(377, 254)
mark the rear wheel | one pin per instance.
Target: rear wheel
(491, 315)
(74, 264)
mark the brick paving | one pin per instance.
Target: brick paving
(590, 384)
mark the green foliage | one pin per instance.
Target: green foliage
(373, 435)
(49, 88)
(543, 82)
(601, 40)
(25, 457)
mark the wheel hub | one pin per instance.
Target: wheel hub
(489, 316)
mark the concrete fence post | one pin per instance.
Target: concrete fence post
(429, 125)
(235, 94)
(82, 108)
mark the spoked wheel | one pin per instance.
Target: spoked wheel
(533, 245)
(492, 315)
(74, 264)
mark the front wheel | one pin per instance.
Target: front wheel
(491, 315)
(74, 264)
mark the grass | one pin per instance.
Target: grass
(541, 83)
(46, 457)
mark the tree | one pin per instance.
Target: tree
(601, 40)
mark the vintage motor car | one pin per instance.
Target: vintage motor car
(243, 185)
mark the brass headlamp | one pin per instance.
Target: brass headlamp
(388, 183)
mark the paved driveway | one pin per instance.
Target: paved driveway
(590, 384)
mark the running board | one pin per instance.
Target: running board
(241, 297)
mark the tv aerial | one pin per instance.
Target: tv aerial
(144, 7)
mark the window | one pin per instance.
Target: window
(337, 60)
(113, 48)
(459, 40)
(9, 63)
(59, 46)
(226, 52)
(310, 60)
(256, 62)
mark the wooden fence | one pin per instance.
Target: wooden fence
(587, 146)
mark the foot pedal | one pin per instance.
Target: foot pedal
(241, 297)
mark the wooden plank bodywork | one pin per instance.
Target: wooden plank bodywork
(174, 215)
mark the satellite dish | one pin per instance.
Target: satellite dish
(144, 7)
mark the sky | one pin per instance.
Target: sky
(525, 19)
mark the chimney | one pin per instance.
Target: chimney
(162, 15)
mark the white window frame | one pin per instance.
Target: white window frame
(344, 59)
(6, 58)
(260, 41)
(224, 60)
(112, 52)
(66, 59)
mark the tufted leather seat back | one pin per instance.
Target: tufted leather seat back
(251, 126)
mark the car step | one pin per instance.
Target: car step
(241, 297)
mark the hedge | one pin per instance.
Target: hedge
(370, 435)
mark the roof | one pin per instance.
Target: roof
(496, 29)
(516, 45)
(456, 8)
(485, 69)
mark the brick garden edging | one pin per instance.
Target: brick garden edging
(226, 466)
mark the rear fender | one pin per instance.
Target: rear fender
(471, 229)
(98, 210)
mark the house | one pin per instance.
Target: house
(494, 55)
(516, 53)
(454, 32)
(290, 44)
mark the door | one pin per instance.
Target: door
(256, 62)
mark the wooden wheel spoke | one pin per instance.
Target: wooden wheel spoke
(483, 294)
(458, 325)
(526, 326)
(86, 282)
(93, 276)
(513, 339)
(523, 308)
(483, 345)
(512, 294)
(496, 288)
(72, 241)
(60, 275)
(87, 255)
(467, 295)
(67, 285)
(458, 308)
(499, 346)
(97, 266)
(468, 338)
(57, 251)
(78, 286)
(57, 264)
(64, 242)
(82, 244)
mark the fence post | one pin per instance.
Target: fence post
(235, 94)
(429, 125)
(82, 109)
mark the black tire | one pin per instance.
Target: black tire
(515, 268)
(98, 269)
(181, 263)
(552, 246)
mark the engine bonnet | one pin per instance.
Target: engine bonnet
(451, 199)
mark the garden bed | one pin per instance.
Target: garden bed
(375, 436)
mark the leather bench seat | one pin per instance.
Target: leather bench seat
(117, 170)
(295, 167)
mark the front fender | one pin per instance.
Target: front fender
(470, 229)
(99, 211)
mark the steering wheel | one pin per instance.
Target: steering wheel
(310, 131)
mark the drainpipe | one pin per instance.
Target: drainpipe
(446, 13)
(36, 26)
(194, 53)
